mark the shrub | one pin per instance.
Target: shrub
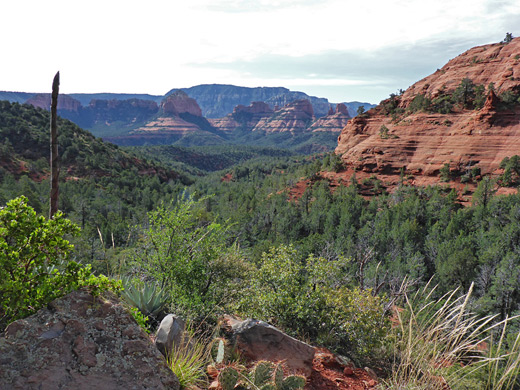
(445, 173)
(508, 38)
(302, 296)
(383, 132)
(509, 99)
(357, 322)
(480, 97)
(443, 104)
(511, 167)
(420, 103)
(188, 257)
(34, 261)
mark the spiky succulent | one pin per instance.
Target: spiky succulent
(149, 298)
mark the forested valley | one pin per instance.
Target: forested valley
(212, 231)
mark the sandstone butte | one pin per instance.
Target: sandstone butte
(296, 117)
(169, 120)
(422, 142)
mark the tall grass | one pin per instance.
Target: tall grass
(439, 345)
(502, 364)
(188, 360)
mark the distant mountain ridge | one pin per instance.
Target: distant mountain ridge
(219, 100)
(276, 116)
(215, 100)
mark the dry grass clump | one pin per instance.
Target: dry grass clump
(439, 345)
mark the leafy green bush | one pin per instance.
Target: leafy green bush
(511, 167)
(509, 99)
(443, 104)
(302, 296)
(383, 132)
(188, 257)
(358, 321)
(140, 318)
(34, 265)
(445, 173)
(420, 103)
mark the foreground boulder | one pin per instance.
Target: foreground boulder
(81, 342)
(257, 340)
(169, 334)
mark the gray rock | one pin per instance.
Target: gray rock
(169, 334)
(257, 340)
(81, 342)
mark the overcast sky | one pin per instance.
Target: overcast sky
(339, 49)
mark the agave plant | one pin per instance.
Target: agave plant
(149, 298)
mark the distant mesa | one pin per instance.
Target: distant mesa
(65, 102)
(342, 109)
(219, 100)
(243, 117)
(295, 117)
(256, 108)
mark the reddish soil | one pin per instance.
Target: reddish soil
(389, 183)
(328, 373)
(227, 177)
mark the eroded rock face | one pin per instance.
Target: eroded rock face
(244, 117)
(131, 110)
(334, 122)
(295, 117)
(81, 342)
(257, 340)
(65, 102)
(423, 142)
(180, 103)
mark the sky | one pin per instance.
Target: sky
(342, 50)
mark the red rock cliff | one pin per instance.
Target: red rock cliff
(334, 121)
(243, 116)
(402, 132)
(295, 117)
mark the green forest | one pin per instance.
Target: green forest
(209, 231)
